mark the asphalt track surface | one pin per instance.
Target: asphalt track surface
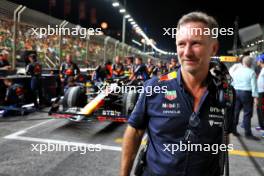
(21, 138)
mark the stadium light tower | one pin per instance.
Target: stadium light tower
(126, 15)
(124, 25)
(122, 10)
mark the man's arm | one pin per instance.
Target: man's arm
(121, 72)
(7, 67)
(254, 85)
(135, 72)
(61, 71)
(29, 69)
(77, 70)
(132, 139)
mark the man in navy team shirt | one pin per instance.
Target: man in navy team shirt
(190, 105)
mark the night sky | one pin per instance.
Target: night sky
(153, 15)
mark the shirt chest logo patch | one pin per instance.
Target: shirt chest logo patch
(169, 105)
(171, 95)
(171, 108)
(216, 123)
(216, 116)
(215, 112)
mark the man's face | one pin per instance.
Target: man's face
(149, 61)
(68, 58)
(117, 60)
(173, 62)
(7, 83)
(128, 61)
(137, 61)
(258, 63)
(30, 58)
(5, 56)
(194, 49)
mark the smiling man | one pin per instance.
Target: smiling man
(188, 113)
(195, 50)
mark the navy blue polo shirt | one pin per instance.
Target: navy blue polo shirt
(140, 72)
(166, 118)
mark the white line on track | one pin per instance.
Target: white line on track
(16, 136)
(26, 129)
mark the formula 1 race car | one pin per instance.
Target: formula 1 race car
(112, 100)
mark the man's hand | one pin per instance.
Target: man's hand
(132, 139)
(76, 77)
(7, 67)
(132, 77)
(256, 101)
(115, 72)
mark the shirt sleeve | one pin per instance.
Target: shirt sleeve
(254, 85)
(77, 70)
(29, 69)
(139, 118)
(136, 70)
(62, 68)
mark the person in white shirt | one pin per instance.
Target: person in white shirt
(245, 84)
(235, 66)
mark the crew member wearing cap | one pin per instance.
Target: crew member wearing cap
(4, 64)
(173, 65)
(14, 97)
(34, 69)
(161, 68)
(68, 68)
(118, 68)
(151, 68)
(140, 70)
(129, 66)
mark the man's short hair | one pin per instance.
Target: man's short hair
(247, 60)
(202, 17)
(242, 57)
(130, 58)
(139, 58)
(118, 57)
(174, 60)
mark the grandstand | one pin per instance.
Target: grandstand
(17, 21)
